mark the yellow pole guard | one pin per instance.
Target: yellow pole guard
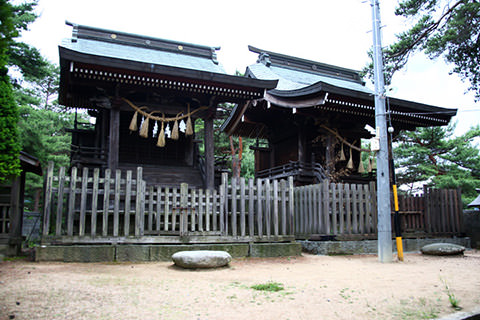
(399, 248)
(395, 197)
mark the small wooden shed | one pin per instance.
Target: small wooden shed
(11, 206)
(315, 118)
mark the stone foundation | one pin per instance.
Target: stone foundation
(370, 246)
(110, 253)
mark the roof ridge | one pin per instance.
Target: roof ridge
(136, 40)
(269, 58)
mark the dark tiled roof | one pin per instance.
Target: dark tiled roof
(132, 47)
(295, 73)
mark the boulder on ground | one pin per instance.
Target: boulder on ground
(442, 249)
(201, 259)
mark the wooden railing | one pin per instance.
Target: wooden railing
(88, 155)
(106, 207)
(294, 168)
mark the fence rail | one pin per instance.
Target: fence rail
(110, 206)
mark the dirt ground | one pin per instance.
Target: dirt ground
(315, 287)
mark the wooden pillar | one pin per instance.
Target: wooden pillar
(272, 153)
(302, 156)
(330, 154)
(114, 134)
(209, 154)
(190, 146)
(15, 230)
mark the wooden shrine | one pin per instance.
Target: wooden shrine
(315, 118)
(145, 95)
(12, 194)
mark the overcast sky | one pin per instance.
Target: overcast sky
(334, 32)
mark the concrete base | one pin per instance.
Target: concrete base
(109, 253)
(370, 246)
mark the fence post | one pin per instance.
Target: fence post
(61, 187)
(291, 206)
(234, 207)
(116, 204)
(283, 198)
(183, 209)
(251, 202)
(83, 202)
(200, 210)
(459, 209)
(334, 208)
(128, 195)
(93, 221)
(48, 199)
(106, 202)
(260, 212)
(326, 206)
(224, 205)
(193, 196)
(242, 207)
(275, 207)
(208, 209)
(138, 202)
(373, 206)
(71, 201)
(150, 208)
(268, 208)
(426, 205)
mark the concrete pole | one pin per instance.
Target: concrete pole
(383, 178)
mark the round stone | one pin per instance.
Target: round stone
(201, 259)
(442, 249)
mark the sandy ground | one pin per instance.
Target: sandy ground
(315, 287)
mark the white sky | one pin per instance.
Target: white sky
(334, 32)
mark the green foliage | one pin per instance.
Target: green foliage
(43, 135)
(441, 28)
(9, 144)
(454, 302)
(434, 155)
(13, 19)
(269, 286)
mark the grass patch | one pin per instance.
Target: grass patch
(413, 309)
(15, 258)
(269, 286)
(454, 302)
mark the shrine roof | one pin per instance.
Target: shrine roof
(144, 49)
(296, 74)
(127, 51)
(322, 88)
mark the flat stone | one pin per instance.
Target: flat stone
(442, 249)
(201, 259)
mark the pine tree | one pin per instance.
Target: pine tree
(435, 156)
(449, 29)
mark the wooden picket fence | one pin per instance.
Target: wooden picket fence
(349, 211)
(330, 209)
(412, 213)
(115, 207)
(94, 206)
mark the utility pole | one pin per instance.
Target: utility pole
(384, 225)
